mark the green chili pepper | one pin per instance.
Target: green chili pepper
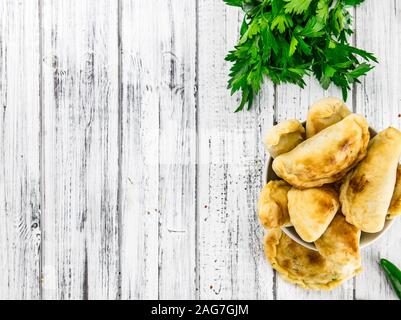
(393, 274)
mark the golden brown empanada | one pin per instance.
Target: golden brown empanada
(272, 204)
(302, 266)
(367, 191)
(327, 156)
(340, 242)
(324, 113)
(284, 137)
(311, 211)
(395, 204)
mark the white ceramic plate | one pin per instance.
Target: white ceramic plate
(366, 238)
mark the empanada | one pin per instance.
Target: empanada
(284, 137)
(366, 193)
(395, 204)
(327, 156)
(302, 266)
(324, 113)
(340, 242)
(272, 204)
(311, 211)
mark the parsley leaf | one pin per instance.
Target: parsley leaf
(286, 40)
(282, 22)
(297, 6)
(322, 10)
(234, 3)
(353, 2)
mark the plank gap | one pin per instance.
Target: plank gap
(120, 144)
(41, 147)
(197, 157)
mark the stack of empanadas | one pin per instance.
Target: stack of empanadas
(336, 182)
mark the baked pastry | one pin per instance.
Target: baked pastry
(395, 204)
(327, 156)
(340, 242)
(324, 113)
(272, 204)
(367, 191)
(305, 267)
(284, 137)
(311, 211)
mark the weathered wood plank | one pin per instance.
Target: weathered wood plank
(177, 150)
(159, 137)
(378, 98)
(231, 159)
(80, 150)
(140, 76)
(19, 150)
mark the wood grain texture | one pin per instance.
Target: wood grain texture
(116, 123)
(140, 146)
(231, 159)
(177, 150)
(378, 98)
(158, 149)
(80, 149)
(19, 151)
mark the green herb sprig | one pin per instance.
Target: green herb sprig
(286, 40)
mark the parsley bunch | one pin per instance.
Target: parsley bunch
(288, 39)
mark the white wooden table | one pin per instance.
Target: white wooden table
(124, 172)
